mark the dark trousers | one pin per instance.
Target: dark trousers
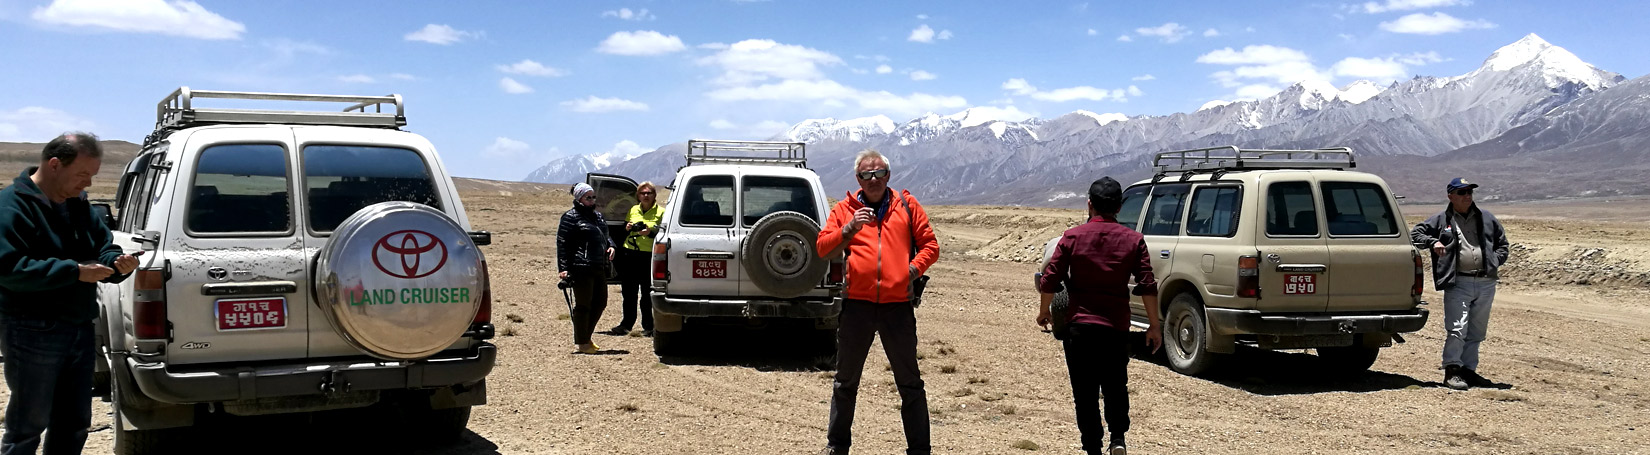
(49, 371)
(859, 322)
(589, 299)
(1098, 358)
(636, 275)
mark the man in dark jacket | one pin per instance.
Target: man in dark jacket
(1468, 246)
(52, 254)
(1093, 263)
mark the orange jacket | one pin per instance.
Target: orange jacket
(879, 255)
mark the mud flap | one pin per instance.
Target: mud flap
(1222, 344)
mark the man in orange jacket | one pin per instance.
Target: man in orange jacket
(878, 228)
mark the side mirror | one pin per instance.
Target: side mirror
(103, 212)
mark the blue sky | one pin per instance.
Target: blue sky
(503, 87)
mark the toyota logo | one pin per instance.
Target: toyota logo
(407, 251)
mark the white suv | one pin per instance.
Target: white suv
(736, 243)
(294, 261)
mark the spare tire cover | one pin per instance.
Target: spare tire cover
(779, 256)
(399, 280)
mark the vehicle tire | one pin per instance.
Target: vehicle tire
(669, 344)
(1059, 309)
(779, 255)
(1348, 360)
(138, 442)
(1186, 336)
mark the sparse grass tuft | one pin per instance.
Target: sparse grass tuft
(1024, 444)
(628, 407)
(948, 369)
(963, 392)
(1503, 396)
(992, 396)
(564, 317)
(977, 380)
(827, 375)
(947, 351)
(921, 355)
(512, 317)
(508, 331)
(635, 334)
(1009, 409)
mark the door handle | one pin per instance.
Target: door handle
(1163, 254)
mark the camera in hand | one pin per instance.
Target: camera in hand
(638, 226)
(564, 284)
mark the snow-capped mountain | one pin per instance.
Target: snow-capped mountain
(983, 155)
(571, 169)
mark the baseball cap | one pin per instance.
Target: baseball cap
(1460, 183)
(1106, 194)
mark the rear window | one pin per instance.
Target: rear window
(1290, 209)
(342, 179)
(240, 188)
(1214, 211)
(764, 195)
(708, 201)
(1163, 216)
(1357, 208)
(1133, 200)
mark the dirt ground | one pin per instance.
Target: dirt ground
(1570, 334)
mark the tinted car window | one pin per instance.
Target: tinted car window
(1214, 211)
(763, 195)
(343, 179)
(1133, 200)
(1163, 216)
(708, 201)
(1290, 209)
(240, 188)
(1357, 208)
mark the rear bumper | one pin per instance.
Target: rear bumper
(1250, 322)
(181, 385)
(745, 308)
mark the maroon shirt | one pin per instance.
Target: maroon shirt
(1093, 262)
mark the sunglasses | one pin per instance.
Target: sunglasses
(646, 193)
(1465, 192)
(876, 174)
(589, 196)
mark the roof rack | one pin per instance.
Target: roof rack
(1230, 158)
(178, 110)
(746, 152)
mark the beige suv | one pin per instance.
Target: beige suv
(1277, 249)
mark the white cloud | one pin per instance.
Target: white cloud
(627, 148)
(1256, 91)
(1170, 32)
(594, 104)
(922, 17)
(357, 79)
(926, 34)
(1093, 32)
(403, 76)
(884, 69)
(752, 61)
(1253, 54)
(511, 86)
(531, 68)
(1383, 69)
(1263, 62)
(762, 129)
(1421, 58)
(1404, 5)
(1211, 33)
(1019, 86)
(920, 75)
(506, 147)
(1143, 77)
(39, 124)
(642, 42)
(713, 46)
(1135, 91)
(834, 94)
(1125, 38)
(1433, 24)
(722, 124)
(176, 18)
(511, 152)
(627, 14)
(440, 34)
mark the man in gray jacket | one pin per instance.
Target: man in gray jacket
(1468, 246)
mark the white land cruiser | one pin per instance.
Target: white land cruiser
(1277, 249)
(293, 261)
(736, 243)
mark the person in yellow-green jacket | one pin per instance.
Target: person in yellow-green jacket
(636, 258)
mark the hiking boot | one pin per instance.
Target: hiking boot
(1117, 447)
(589, 348)
(833, 451)
(1473, 379)
(648, 333)
(1454, 379)
(618, 330)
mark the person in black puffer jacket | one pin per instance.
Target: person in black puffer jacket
(583, 253)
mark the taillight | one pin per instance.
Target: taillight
(835, 276)
(1420, 268)
(149, 305)
(485, 314)
(661, 261)
(1248, 284)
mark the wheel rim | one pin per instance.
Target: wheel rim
(1186, 334)
(787, 254)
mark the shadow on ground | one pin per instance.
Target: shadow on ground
(1269, 372)
(763, 348)
(356, 431)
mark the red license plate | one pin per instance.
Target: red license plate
(710, 269)
(1300, 284)
(259, 313)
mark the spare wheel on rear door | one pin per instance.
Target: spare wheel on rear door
(779, 257)
(399, 280)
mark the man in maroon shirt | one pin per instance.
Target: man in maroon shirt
(1093, 263)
